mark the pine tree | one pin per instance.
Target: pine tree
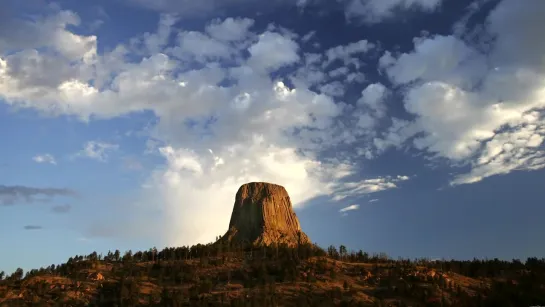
(17, 275)
(342, 251)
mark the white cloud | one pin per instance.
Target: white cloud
(373, 200)
(230, 29)
(373, 97)
(285, 52)
(212, 137)
(204, 185)
(349, 208)
(438, 58)
(154, 42)
(307, 37)
(477, 108)
(334, 82)
(374, 11)
(97, 150)
(357, 77)
(44, 158)
(367, 186)
(311, 72)
(348, 52)
(507, 151)
(338, 72)
(474, 108)
(370, 108)
(47, 32)
(201, 47)
(334, 88)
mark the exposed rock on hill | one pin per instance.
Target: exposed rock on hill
(263, 215)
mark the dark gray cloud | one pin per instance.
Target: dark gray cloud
(33, 227)
(16, 31)
(10, 195)
(62, 208)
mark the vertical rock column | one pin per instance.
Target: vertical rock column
(263, 214)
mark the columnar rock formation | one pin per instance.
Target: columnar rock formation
(263, 215)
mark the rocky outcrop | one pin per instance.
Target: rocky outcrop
(263, 215)
(96, 276)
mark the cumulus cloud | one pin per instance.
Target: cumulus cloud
(348, 53)
(285, 52)
(334, 89)
(349, 208)
(201, 47)
(216, 126)
(344, 63)
(438, 58)
(230, 29)
(474, 107)
(97, 150)
(45, 31)
(154, 42)
(11, 195)
(373, 97)
(211, 178)
(223, 117)
(45, 158)
(338, 72)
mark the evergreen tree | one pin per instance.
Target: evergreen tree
(17, 275)
(342, 251)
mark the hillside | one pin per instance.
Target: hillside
(220, 275)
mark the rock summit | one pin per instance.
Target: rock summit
(263, 215)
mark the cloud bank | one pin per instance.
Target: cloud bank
(222, 119)
(227, 110)
(479, 103)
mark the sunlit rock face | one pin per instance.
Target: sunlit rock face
(263, 215)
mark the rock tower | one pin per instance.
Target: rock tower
(263, 215)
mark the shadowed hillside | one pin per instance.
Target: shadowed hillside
(223, 275)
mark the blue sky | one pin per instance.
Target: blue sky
(411, 127)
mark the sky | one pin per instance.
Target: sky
(410, 127)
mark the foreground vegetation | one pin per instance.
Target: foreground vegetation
(221, 275)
